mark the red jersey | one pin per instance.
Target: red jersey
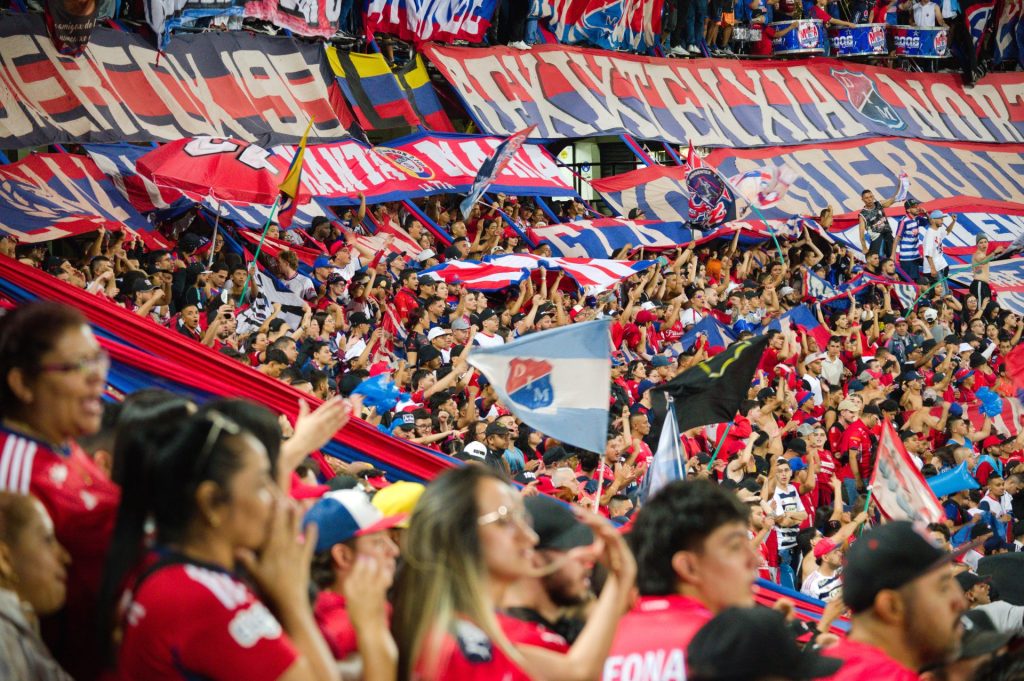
(332, 618)
(524, 632)
(863, 662)
(189, 621)
(468, 655)
(769, 360)
(856, 442)
(82, 502)
(653, 637)
(405, 302)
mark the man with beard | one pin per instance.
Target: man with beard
(905, 606)
(534, 607)
(694, 559)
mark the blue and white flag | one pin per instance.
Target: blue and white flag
(557, 381)
(492, 167)
(668, 464)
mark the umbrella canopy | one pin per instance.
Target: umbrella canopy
(204, 168)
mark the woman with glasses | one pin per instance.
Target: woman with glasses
(469, 539)
(215, 510)
(52, 379)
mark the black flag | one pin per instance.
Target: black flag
(712, 391)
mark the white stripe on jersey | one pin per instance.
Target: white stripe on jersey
(5, 460)
(230, 593)
(10, 473)
(26, 468)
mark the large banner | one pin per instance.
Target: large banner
(659, 191)
(602, 238)
(316, 18)
(422, 165)
(255, 88)
(1006, 278)
(52, 196)
(835, 174)
(608, 24)
(575, 92)
(421, 20)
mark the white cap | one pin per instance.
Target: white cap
(425, 255)
(816, 357)
(930, 313)
(437, 332)
(648, 305)
(965, 347)
(786, 290)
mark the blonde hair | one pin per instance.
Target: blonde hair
(444, 578)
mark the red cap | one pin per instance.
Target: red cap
(300, 490)
(545, 486)
(379, 368)
(337, 246)
(378, 482)
(824, 546)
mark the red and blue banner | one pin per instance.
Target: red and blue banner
(607, 24)
(1006, 277)
(601, 238)
(372, 90)
(659, 191)
(570, 92)
(224, 84)
(834, 174)
(53, 196)
(422, 20)
(489, 170)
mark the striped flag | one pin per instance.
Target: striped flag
(292, 183)
(668, 464)
(557, 381)
(492, 167)
(898, 488)
(477, 276)
(587, 272)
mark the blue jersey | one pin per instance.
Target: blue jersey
(909, 238)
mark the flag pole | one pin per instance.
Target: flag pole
(671, 414)
(718, 447)
(867, 509)
(259, 248)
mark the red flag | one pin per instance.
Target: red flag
(1015, 366)
(897, 486)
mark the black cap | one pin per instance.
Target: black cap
(887, 557)
(143, 285)
(797, 445)
(981, 636)
(752, 643)
(969, 580)
(426, 354)
(910, 203)
(495, 428)
(556, 525)
(555, 454)
(189, 242)
(486, 314)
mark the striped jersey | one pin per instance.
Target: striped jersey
(786, 501)
(822, 587)
(910, 238)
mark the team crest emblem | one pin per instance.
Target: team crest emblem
(407, 163)
(529, 383)
(941, 42)
(863, 95)
(708, 196)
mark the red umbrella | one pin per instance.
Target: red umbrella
(219, 168)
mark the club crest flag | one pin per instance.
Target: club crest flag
(898, 488)
(557, 381)
(492, 167)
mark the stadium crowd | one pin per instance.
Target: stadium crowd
(156, 538)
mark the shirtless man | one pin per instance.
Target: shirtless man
(980, 268)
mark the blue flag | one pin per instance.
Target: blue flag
(557, 381)
(668, 464)
(492, 167)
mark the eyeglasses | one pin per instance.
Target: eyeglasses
(98, 363)
(506, 517)
(219, 424)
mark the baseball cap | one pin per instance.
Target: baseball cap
(403, 421)
(437, 332)
(556, 525)
(143, 285)
(849, 405)
(797, 445)
(486, 314)
(344, 514)
(335, 278)
(426, 255)
(733, 644)
(910, 203)
(805, 429)
(824, 547)
(321, 261)
(659, 361)
(887, 557)
(965, 347)
(936, 214)
(398, 498)
(427, 353)
(980, 635)
(911, 376)
(969, 580)
(815, 357)
(495, 428)
(460, 324)
(786, 290)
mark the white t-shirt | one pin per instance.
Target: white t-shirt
(1006, 618)
(485, 341)
(924, 15)
(824, 588)
(814, 385)
(689, 317)
(832, 370)
(786, 501)
(933, 239)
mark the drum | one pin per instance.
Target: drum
(859, 41)
(806, 37)
(920, 43)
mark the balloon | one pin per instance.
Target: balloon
(952, 481)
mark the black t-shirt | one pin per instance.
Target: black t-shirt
(875, 222)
